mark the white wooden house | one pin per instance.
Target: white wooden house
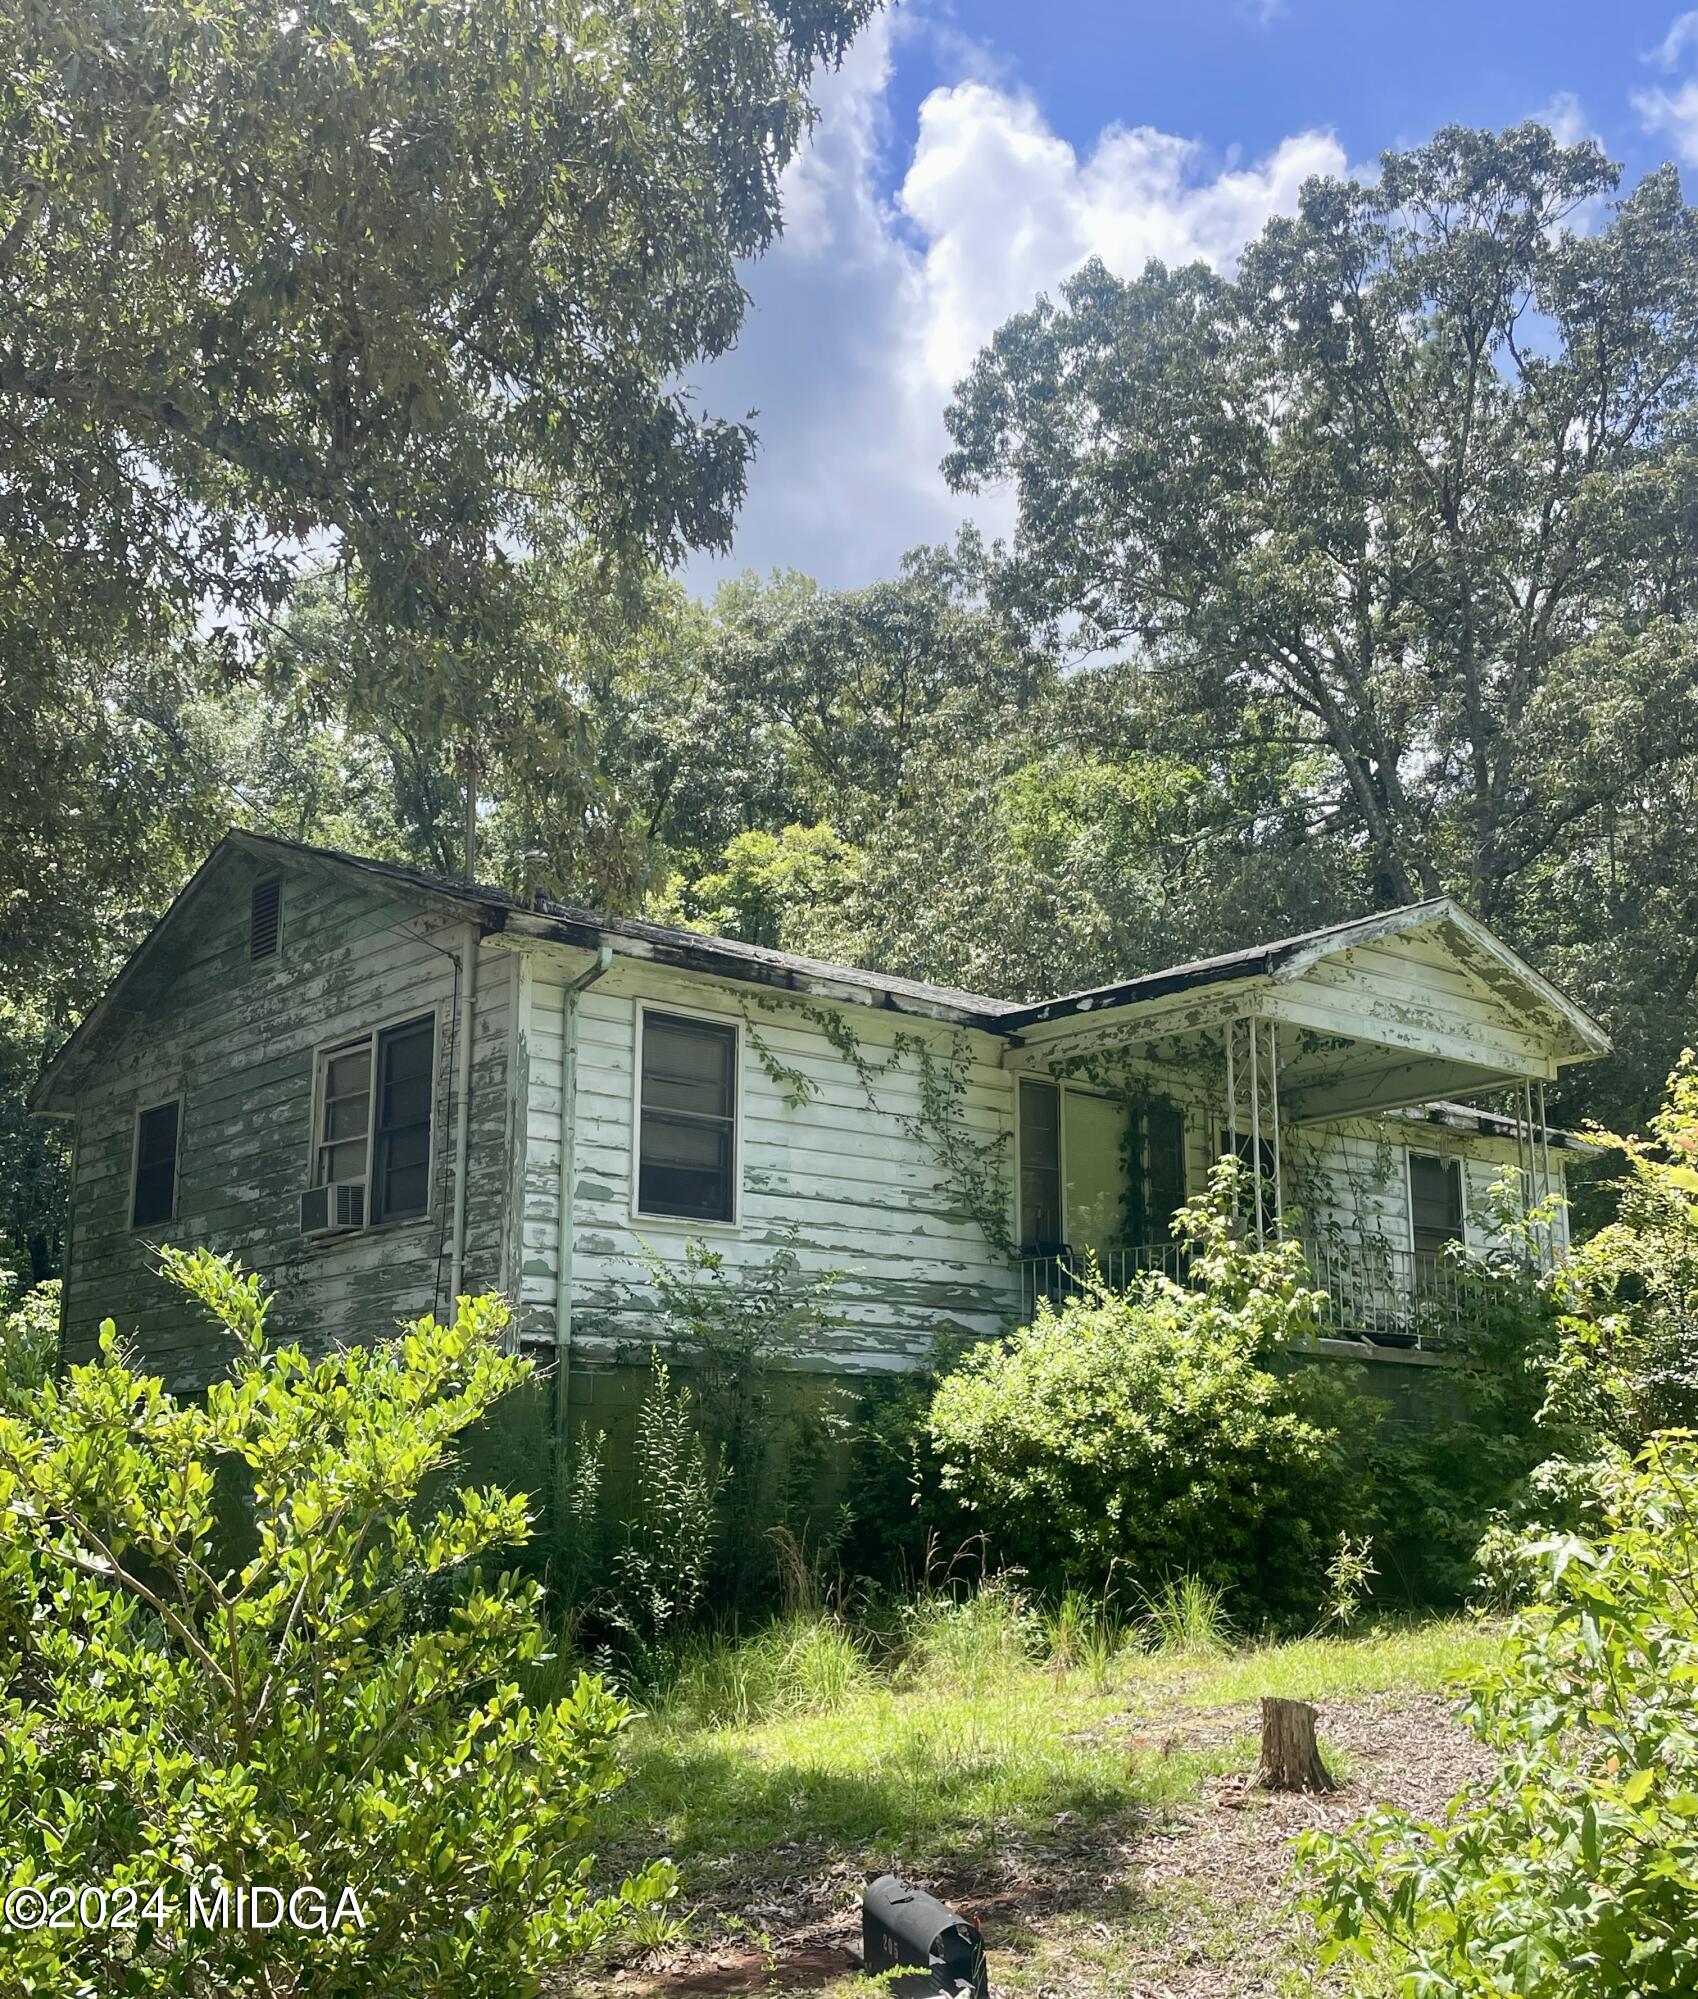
(382, 1088)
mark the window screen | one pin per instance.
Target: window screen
(688, 1146)
(1040, 1166)
(155, 1196)
(265, 916)
(401, 1147)
(1435, 1202)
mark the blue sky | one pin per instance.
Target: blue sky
(972, 152)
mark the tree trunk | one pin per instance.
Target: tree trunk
(1290, 1759)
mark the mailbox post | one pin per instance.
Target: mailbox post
(905, 1926)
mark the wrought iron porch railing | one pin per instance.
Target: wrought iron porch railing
(1393, 1297)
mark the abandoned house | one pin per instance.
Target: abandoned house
(382, 1089)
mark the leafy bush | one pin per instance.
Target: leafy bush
(1142, 1431)
(1573, 1872)
(1627, 1363)
(29, 1337)
(732, 1330)
(177, 1715)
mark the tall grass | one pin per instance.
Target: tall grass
(1188, 1616)
(800, 1665)
(971, 1641)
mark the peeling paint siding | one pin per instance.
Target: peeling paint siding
(1412, 986)
(866, 1194)
(237, 1042)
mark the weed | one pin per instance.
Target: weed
(1188, 1616)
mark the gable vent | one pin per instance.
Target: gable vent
(264, 919)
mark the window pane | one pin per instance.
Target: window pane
(1164, 1141)
(345, 1117)
(1040, 1165)
(348, 1075)
(688, 1066)
(686, 1169)
(1435, 1201)
(402, 1150)
(343, 1162)
(156, 1166)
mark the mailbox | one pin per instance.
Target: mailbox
(905, 1926)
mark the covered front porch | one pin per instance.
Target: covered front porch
(1377, 1081)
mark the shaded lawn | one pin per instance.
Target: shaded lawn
(1039, 1796)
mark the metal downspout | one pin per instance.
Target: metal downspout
(568, 1173)
(463, 1122)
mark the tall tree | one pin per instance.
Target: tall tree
(1417, 489)
(414, 282)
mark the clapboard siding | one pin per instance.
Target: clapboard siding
(237, 1042)
(846, 1176)
(860, 1190)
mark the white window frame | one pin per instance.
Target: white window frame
(141, 1111)
(685, 1224)
(344, 1044)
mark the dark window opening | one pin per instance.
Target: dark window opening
(155, 1194)
(1155, 1181)
(265, 918)
(1435, 1203)
(1040, 1167)
(401, 1142)
(687, 1158)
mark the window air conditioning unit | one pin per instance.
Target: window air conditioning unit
(334, 1208)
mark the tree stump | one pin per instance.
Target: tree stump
(1291, 1761)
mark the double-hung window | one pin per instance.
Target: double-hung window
(374, 1118)
(687, 1119)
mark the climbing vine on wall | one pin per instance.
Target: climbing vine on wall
(974, 1170)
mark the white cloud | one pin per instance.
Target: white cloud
(874, 304)
(1682, 35)
(1673, 113)
(1565, 116)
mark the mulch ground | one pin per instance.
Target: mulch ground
(1195, 1901)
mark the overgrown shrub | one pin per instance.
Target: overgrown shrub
(1572, 1872)
(1426, 1484)
(733, 1330)
(1627, 1364)
(29, 1336)
(1143, 1432)
(175, 1717)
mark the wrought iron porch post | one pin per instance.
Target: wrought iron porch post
(1278, 1148)
(1255, 1039)
(1231, 1099)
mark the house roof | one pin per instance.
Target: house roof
(496, 909)
(730, 957)
(1289, 957)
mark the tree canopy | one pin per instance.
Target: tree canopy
(1414, 495)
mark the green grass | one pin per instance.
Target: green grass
(985, 1726)
(1410, 1657)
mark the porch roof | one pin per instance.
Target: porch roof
(1408, 1007)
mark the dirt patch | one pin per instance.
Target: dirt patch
(1194, 1901)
